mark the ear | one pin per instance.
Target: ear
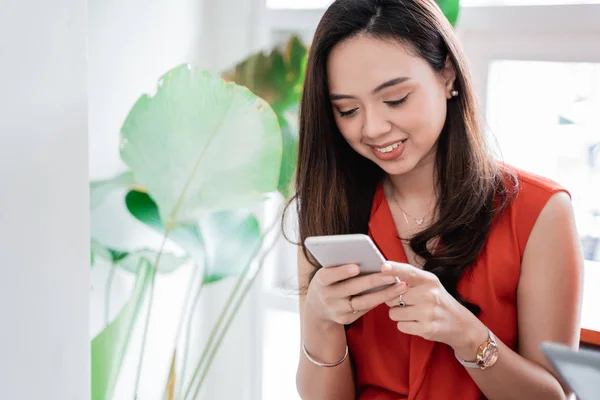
(448, 74)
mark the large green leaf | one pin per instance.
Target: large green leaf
(98, 250)
(230, 238)
(289, 159)
(450, 8)
(144, 209)
(100, 189)
(130, 261)
(277, 77)
(168, 262)
(110, 346)
(201, 144)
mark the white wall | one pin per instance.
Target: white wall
(44, 247)
(233, 29)
(131, 44)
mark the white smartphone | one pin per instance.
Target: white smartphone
(335, 250)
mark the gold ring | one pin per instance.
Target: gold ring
(352, 310)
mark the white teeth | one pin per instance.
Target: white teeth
(389, 148)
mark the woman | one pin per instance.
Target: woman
(489, 262)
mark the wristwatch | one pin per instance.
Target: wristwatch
(487, 354)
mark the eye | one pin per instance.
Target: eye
(348, 113)
(396, 103)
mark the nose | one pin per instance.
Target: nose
(375, 123)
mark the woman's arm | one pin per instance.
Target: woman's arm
(548, 302)
(325, 341)
(335, 297)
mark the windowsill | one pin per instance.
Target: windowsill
(589, 336)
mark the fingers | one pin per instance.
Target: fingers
(407, 273)
(330, 275)
(410, 297)
(410, 328)
(406, 314)
(372, 300)
(415, 320)
(363, 283)
(346, 311)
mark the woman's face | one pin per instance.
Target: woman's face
(389, 104)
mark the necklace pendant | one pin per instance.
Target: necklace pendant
(419, 221)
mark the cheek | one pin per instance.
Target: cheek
(350, 129)
(427, 119)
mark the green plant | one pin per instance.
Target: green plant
(450, 8)
(200, 152)
(277, 77)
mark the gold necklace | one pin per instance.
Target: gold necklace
(418, 221)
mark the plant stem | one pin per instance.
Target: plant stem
(114, 377)
(225, 310)
(186, 303)
(217, 325)
(245, 291)
(150, 301)
(182, 320)
(109, 282)
(187, 337)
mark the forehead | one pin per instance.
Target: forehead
(359, 64)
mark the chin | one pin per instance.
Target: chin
(397, 167)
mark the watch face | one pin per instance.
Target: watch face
(490, 355)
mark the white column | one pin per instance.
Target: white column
(44, 205)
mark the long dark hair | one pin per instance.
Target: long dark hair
(335, 185)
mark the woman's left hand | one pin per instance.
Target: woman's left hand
(432, 313)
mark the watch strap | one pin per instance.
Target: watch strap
(478, 363)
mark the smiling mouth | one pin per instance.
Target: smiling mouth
(391, 147)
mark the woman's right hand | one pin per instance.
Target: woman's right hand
(335, 293)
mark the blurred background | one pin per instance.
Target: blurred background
(72, 67)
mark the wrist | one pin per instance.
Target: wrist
(323, 340)
(470, 339)
(316, 321)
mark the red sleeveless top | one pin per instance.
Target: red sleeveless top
(391, 365)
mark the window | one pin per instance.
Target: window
(537, 73)
(545, 118)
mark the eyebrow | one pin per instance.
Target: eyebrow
(384, 85)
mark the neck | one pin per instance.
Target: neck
(417, 186)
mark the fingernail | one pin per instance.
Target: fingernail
(353, 269)
(388, 279)
(387, 266)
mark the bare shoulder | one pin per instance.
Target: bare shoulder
(558, 206)
(553, 250)
(554, 231)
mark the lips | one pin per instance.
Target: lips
(389, 151)
(386, 148)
